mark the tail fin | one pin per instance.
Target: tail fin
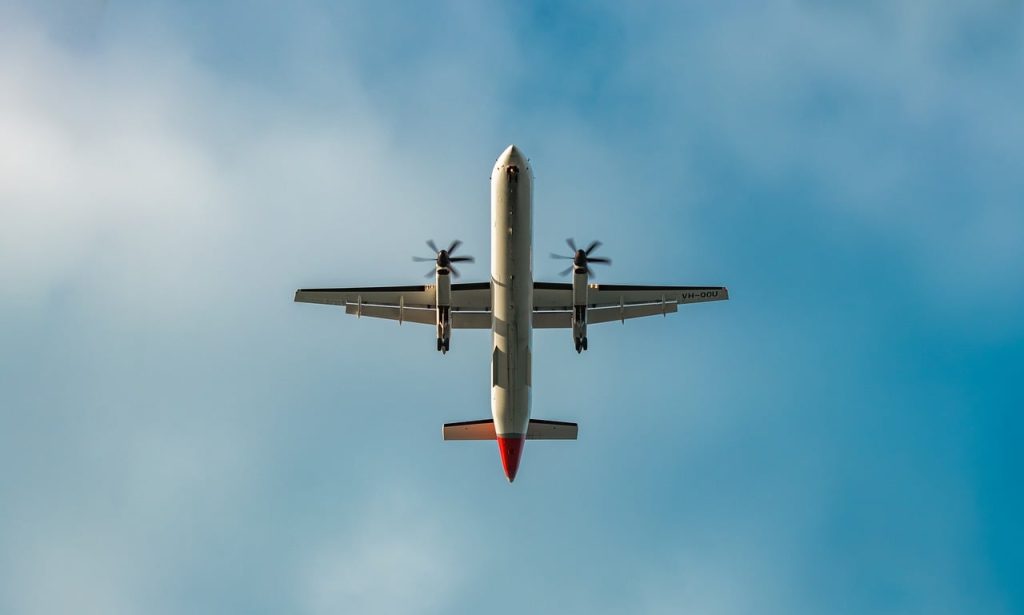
(484, 430)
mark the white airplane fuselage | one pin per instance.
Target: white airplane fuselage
(512, 303)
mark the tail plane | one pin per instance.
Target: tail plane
(510, 446)
(484, 430)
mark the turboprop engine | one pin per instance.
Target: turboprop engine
(443, 272)
(581, 274)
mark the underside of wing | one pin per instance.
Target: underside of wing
(421, 316)
(625, 312)
(553, 302)
(418, 296)
(470, 303)
(549, 296)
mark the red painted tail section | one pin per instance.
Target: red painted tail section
(511, 450)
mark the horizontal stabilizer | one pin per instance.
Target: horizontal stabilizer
(469, 430)
(484, 430)
(551, 430)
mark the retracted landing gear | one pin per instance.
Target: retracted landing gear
(581, 344)
(443, 346)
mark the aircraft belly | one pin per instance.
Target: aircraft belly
(512, 280)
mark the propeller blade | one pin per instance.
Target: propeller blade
(462, 259)
(600, 259)
(572, 244)
(590, 272)
(454, 246)
(430, 273)
(423, 259)
(455, 272)
(432, 245)
(553, 255)
(593, 246)
(566, 272)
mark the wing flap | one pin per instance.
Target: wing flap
(391, 312)
(625, 312)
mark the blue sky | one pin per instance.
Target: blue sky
(176, 436)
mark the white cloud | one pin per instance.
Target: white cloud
(135, 171)
(96, 158)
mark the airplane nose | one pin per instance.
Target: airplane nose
(511, 155)
(511, 450)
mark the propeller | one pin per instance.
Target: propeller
(582, 257)
(444, 258)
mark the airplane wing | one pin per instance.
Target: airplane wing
(471, 303)
(610, 302)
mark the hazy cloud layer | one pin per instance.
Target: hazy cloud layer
(177, 436)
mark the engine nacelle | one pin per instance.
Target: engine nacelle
(579, 310)
(443, 296)
(581, 260)
(444, 270)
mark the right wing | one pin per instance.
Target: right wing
(607, 295)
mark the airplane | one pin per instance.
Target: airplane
(511, 305)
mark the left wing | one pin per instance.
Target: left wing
(552, 301)
(471, 303)
(419, 296)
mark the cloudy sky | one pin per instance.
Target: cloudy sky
(177, 436)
